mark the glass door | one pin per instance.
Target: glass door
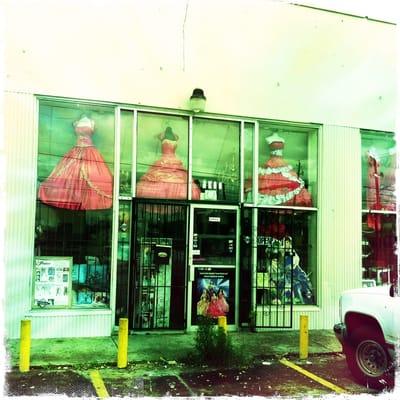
(213, 255)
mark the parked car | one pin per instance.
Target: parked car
(369, 330)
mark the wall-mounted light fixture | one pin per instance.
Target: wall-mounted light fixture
(197, 100)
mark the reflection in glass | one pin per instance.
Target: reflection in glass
(378, 172)
(216, 159)
(125, 172)
(214, 237)
(86, 237)
(379, 259)
(248, 158)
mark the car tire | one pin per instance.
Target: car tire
(368, 359)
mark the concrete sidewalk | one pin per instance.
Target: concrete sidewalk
(164, 346)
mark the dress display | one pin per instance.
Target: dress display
(380, 187)
(278, 183)
(379, 238)
(302, 290)
(373, 189)
(166, 178)
(388, 184)
(82, 179)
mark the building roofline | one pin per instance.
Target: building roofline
(343, 13)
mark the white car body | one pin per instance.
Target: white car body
(376, 303)
(369, 331)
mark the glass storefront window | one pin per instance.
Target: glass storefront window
(215, 154)
(162, 157)
(125, 177)
(378, 162)
(287, 173)
(286, 260)
(379, 258)
(378, 170)
(248, 158)
(214, 237)
(74, 205)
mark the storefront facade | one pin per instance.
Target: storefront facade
(161, 214)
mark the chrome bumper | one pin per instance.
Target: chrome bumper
(341, 335)
(340, 332)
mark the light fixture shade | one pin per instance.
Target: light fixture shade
(197, 100)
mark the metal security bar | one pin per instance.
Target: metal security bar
(273, 275)
(282, 264)
(159, 290)
(123, 260)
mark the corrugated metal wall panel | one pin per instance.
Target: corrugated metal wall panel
(20, 146)
(70, 324)
(339, 217)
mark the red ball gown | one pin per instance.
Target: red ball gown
(82, 179)
(166, 178)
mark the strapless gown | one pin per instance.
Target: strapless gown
(81, 180)
(166, 178)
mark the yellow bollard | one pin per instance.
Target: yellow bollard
(25, 346)
(123, 343)
(222, 323)
(303, 337)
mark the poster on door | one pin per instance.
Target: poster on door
(214, 293)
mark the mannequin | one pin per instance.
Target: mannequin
(166, 178)
(388, 182)
(278, 183)
(373, 189)
(302, 287)
(82, 179)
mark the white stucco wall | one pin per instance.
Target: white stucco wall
(257, 58)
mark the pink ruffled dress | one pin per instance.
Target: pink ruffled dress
(278, 183)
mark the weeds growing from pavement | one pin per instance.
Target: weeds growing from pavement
(213, 345)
